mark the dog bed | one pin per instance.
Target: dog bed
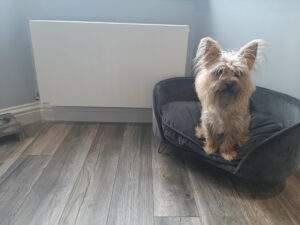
(273, 151)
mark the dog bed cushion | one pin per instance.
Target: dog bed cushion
(180, 118)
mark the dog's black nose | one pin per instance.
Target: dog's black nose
(230, 84)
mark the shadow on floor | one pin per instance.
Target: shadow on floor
(246, 189)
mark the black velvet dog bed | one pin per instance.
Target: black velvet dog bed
(271, 154)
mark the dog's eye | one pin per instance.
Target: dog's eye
(238, 74)
(219, 72)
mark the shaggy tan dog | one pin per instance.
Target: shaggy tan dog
(224, 87)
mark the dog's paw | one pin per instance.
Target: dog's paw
(209, 149)
(229, 155)
(199, 132)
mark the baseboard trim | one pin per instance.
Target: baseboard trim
(96, 114)
(26, 113)
(34, 112)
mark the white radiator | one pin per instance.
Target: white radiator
(95, 64)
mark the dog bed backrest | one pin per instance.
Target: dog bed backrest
(284, 108)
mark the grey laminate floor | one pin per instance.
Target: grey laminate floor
(76, 173)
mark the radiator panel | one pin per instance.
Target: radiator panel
(95, 64)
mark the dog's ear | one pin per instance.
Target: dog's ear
(208, 52)
(252, 51)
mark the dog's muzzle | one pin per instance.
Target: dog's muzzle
(229, 86)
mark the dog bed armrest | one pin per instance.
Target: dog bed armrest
(284, 108)
(175, 89)
(273, 160)
(169, 90)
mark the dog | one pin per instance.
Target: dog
(224, 87)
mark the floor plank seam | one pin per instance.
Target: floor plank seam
(200, 216)
(15, 159)
(152, 169)
(5, 176)
(70, 196)
(77, 177)
(113, 188)
(191, 182)
(47, 127)
(31, 186)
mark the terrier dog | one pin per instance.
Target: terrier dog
(224, 87)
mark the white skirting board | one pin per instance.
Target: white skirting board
(35, 112)
(96, 114)
(25, 114)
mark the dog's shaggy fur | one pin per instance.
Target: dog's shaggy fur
(224, 87)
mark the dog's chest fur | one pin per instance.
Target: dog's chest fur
(219, 119)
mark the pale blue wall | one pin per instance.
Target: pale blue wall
(231, 22)
(235, 22)
(17, 77)
(17, 74)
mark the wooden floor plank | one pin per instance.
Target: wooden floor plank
(289, 199)
(167, 221)
(132, 199)
(261, 202)
(90, 198)
(112, 175)
(49, 141)
(11, 147)
(173, 193)
(190, 221)
(292, 188)
(176, 220)
(9, 152)
(291, 208)
(16, 185)
(35, 129)
(47, 198)
(216, 198)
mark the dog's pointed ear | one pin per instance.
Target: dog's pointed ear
(251, 52)
(208, 52)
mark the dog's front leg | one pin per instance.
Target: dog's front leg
(243, 136)
(199, 132)
(243, 139)
(211, 143)
(227, 147)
